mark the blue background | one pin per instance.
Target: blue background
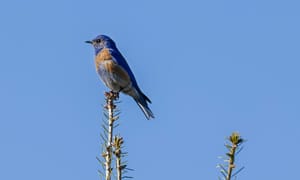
(210, 68)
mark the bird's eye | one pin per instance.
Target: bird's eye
(98, 40)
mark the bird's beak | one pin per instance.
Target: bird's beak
(90, 42)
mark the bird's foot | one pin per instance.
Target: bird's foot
(112, 95)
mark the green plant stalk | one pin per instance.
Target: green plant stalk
(231, 165)
(117, 144)
(235, 140)
(110, 97)
(119, 169)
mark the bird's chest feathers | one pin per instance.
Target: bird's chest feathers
(104, 58)
(112, 74)
(105, 65)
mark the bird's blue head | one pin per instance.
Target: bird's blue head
(100, 42)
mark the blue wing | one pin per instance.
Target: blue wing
(119, 59)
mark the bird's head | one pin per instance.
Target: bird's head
(102, 41)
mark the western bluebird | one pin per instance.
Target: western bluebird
(115, 72)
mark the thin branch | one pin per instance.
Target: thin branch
(118, 141)
(235, 140)
(110, 106)
(234, 148)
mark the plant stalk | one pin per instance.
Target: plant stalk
(110, 106)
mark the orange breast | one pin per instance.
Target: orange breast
(105, 59)
(102, 56)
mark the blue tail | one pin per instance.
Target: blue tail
(142, 102)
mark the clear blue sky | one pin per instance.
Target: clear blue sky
(210, 68)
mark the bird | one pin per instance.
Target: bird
(115, 72)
